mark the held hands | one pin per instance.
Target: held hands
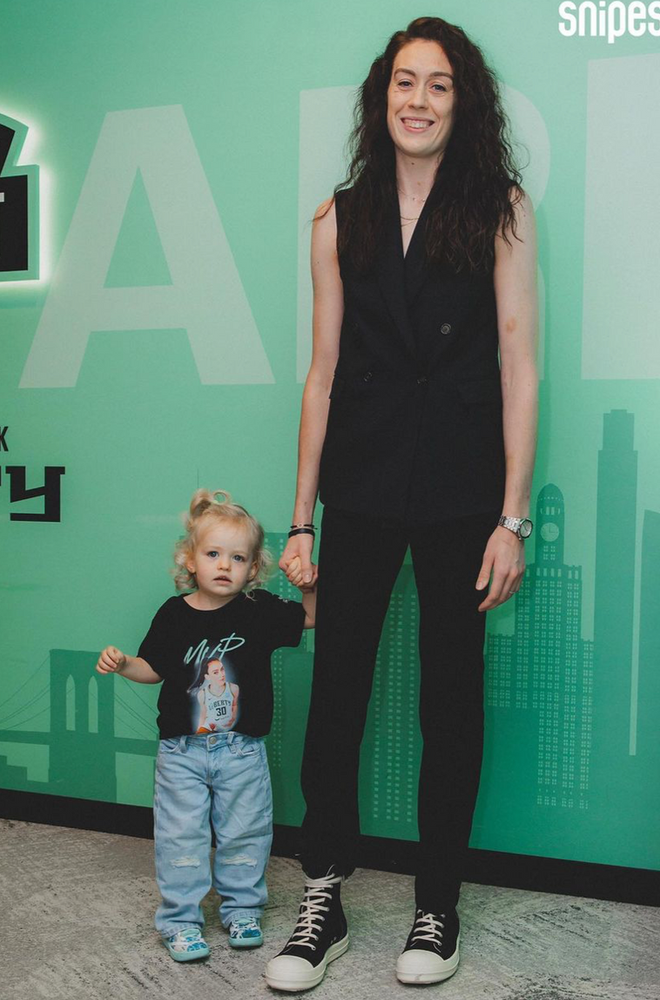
(297, 563)
(503, 564)
(111, 661)
(295, 575)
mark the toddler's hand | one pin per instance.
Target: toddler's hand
(111, 661)
(294, 575)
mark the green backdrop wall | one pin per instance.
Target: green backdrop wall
(179, 150)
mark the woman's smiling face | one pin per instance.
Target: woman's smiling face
(421, 100)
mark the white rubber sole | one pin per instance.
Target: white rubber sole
(416, 967)
(255, 942)
(304, 981)
(188, 956)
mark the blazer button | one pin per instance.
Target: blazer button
(445, 328)
(367, 377)
(422, 380)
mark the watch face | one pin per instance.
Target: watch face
(549, 532)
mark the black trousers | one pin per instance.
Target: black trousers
(359, 560)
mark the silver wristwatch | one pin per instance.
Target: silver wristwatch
(520, 526)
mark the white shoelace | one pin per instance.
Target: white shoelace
(310, 921)
(428, 928)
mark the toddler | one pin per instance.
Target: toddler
(211, 648)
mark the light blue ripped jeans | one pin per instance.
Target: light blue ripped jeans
(223, 777)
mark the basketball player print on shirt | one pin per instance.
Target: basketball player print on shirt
(217, 699)
(213, 693)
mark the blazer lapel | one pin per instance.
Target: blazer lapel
(416, 265)
(391, 273)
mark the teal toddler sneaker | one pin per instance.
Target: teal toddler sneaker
(245, 933)
(187, 945)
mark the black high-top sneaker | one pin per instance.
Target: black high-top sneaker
(431, 951)
(320, 936)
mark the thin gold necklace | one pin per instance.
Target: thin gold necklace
(422, 200)
(413, 196)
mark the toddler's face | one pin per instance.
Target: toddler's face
(222, 561)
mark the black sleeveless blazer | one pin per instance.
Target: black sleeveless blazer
(415, 422)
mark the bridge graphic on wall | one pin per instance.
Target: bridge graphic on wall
(85, 711)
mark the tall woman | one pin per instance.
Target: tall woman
(418, 430)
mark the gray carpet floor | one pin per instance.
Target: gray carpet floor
(77, 911)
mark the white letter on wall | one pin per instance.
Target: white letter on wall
(622, 220)
(206, 296)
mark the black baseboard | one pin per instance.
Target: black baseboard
(78, 814)
(515, 871)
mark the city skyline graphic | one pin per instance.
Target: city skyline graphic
(570, 719)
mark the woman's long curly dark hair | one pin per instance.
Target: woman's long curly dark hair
(472, 189)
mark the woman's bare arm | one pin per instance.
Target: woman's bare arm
(517, 319)
(517, 314)
(327, 319)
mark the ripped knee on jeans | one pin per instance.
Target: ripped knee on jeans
(185, 862)
(238, 859)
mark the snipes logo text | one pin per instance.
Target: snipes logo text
(609, 20)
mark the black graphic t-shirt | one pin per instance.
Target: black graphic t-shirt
(215, 665)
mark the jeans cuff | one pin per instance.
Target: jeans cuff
(176, 928)
(255, 912)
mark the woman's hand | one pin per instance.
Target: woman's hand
(503, 564)
(111, 661)
(297, 563)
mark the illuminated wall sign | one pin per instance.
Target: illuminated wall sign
(19, 206)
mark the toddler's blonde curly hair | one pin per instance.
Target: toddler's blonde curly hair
(217, 505)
